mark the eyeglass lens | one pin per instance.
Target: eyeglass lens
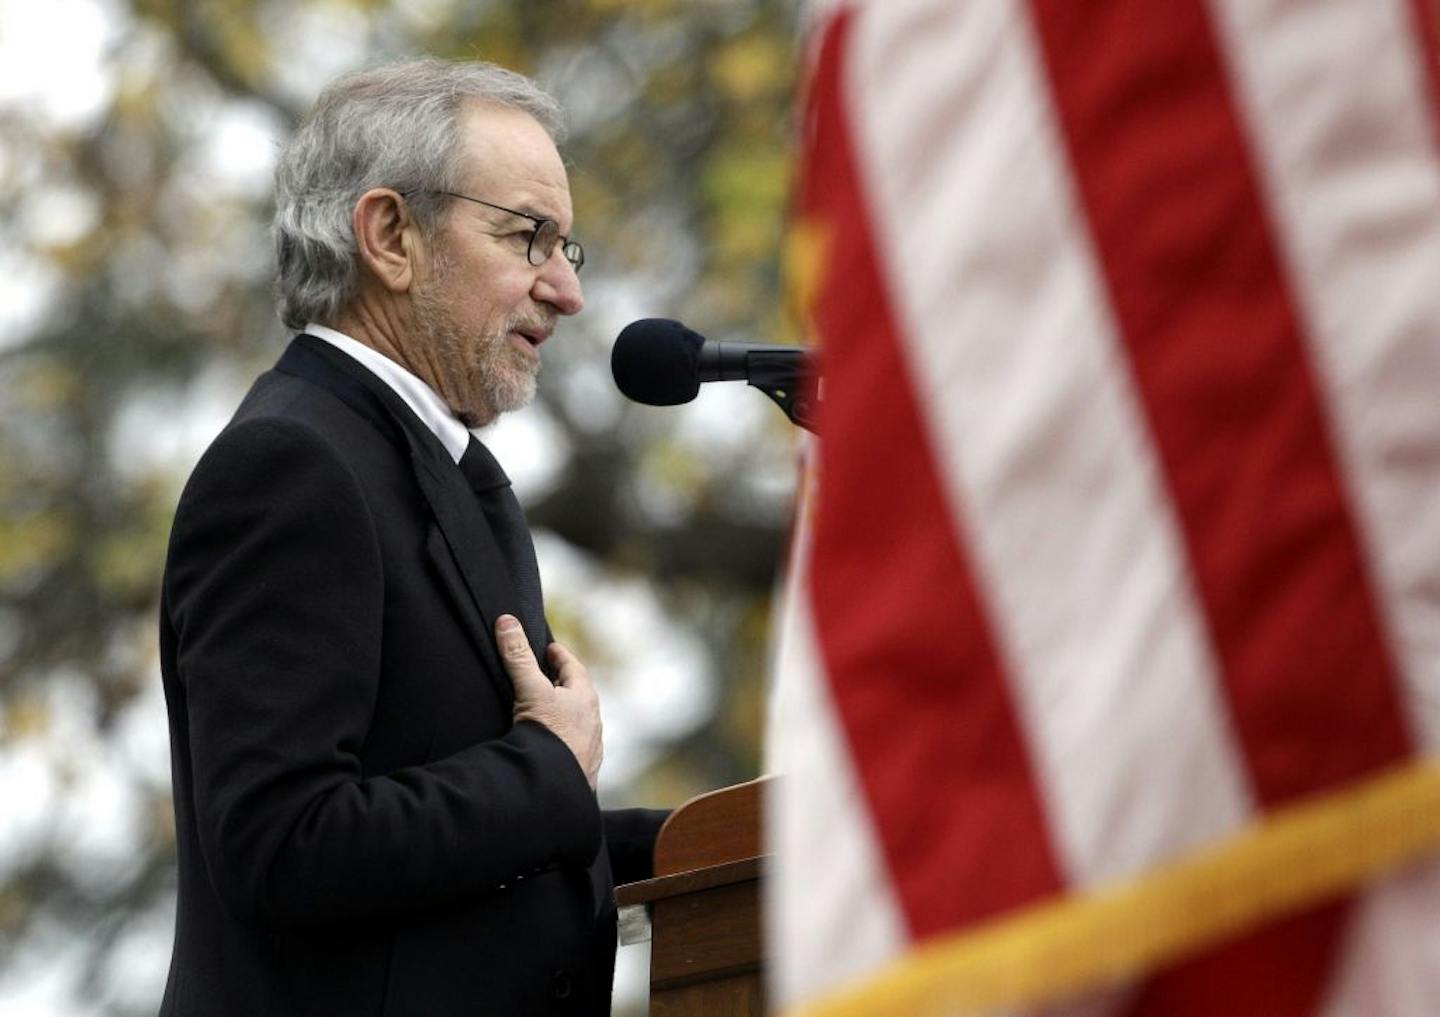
(543, 241)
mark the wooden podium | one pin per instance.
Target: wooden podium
(706, 952)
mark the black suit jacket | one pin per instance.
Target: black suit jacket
(362, 829)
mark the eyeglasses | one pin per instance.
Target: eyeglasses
(543, 238)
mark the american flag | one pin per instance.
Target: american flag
(1109, 674)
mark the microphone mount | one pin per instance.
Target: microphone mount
(774, 372)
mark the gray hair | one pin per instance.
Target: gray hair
(390, 126)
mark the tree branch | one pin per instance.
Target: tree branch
(199, 45)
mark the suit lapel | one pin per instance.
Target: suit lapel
(460, 545)
(461, 541)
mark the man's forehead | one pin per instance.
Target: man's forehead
(508, 150)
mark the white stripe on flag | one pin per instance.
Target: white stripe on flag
(1338, 108)
(1339, 114)
(1042, 445)
(829, 909)
(1390, 965)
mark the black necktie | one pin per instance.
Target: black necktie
(507, 521)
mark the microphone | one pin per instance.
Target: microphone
(660, 362)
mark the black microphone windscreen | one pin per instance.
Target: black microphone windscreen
(656, 361)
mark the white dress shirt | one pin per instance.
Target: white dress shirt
(420, 397)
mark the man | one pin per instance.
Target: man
(383, 805)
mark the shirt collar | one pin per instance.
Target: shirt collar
(423, 400)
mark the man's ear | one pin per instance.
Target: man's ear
(387, 238)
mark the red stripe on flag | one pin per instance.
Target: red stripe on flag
(1426, 19)
(1278, 969)
(1166, 180)
(904, 636)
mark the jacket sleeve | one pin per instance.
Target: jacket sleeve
(274, 589)
(630, 836)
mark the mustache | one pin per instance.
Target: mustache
(532, 323)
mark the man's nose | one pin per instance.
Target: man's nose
(558, 285)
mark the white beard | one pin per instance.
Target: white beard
(495, 377)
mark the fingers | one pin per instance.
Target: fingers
(569, 671)
(570, 708)
(515, 651)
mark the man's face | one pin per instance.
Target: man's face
(480, 309)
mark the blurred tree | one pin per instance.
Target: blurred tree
(141, 224)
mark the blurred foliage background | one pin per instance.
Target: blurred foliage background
(136, 145)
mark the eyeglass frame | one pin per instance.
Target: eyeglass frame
(572, 250)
